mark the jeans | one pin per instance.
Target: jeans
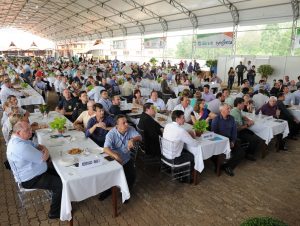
(230, 82)
(49, 181)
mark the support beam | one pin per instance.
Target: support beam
(295, 8)
(136, 5)
(181, 8)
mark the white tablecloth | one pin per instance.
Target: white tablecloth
(295, 110)
(205, 149)
(34, 97)
(79, 184)
(266, 127)
(178, 89)
(151, 84)
(51, 80)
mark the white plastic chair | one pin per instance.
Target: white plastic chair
(168, 166)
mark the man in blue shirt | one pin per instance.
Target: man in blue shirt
(28, 163)
(225, 125)
(118, 143)
(98, 126)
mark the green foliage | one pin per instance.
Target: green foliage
(159, 79)
(200, 126)
(44, 108)
(120, 81)
(24, 85)
(90, 87)
(51, 74)
(265, 70)
(263, 221)
(153, 61)
(58, 123)
(120, 72)
(211, 63)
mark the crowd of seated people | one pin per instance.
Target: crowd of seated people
(90, 95)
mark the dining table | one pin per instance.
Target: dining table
(85, 170)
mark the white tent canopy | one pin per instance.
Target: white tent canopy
(75, 20)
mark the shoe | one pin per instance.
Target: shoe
(127, 201)
(53, 216)
(250, 158)
(104, 195)
(229, 171)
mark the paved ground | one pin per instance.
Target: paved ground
(267, 187)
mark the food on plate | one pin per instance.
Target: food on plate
(74, 151)
(161, 119)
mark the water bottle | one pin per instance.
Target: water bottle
(253, 112)
(260, 115)
(292, 103)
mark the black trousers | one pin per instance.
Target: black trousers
(130, 173)
(255, 142)
(49, 181)
(230, 82)
(240, 78)
(236, 155)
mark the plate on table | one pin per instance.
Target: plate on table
(68, 160)
(75, 151)
(96, 150)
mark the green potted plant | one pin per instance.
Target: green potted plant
(159, 79)
(90, 87)
(44, 109)
(263, 221)
(265, 70)
(200, 127)
(59, 124)
(153, 61)
(212, 64)
(24, 85)
(120, 81)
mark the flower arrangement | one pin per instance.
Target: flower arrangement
(153, 61)
(265, 70)
(59, 124)
(24, 85)
(200, 127)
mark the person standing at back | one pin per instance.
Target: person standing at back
(241, 69)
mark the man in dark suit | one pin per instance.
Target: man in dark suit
(151, 129)
(165, 87)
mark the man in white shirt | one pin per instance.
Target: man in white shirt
(289, 97)
(85, 116)
(185, 107)
(7, 90)
(63, 84)
(297, 95)
(175, 133)
(214, 105)
(157, 102)
(94, 93)
(104, 100)
(127, 88)
(260, 99)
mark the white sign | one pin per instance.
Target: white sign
(216, 40)
(90, 162)
(208, 135)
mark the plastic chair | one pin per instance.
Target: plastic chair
(146, 159)
(168, 166)
(29, 197)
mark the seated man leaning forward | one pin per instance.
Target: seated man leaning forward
(175, 133)
(118, 144)
(28, 163)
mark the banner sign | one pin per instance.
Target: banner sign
(216, 40)
(297, 39)
(119, 44)
(155, 43)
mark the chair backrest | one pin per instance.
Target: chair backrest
(141, 132)
(167, 147)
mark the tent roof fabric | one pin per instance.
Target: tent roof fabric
(74, 20)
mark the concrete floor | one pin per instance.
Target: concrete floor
(267, 187)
